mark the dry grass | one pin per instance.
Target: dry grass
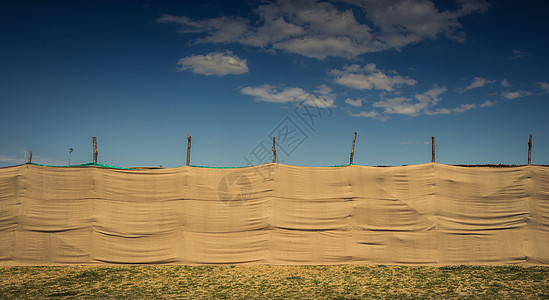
(282, 282)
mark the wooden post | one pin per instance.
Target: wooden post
(432, 149)
(530, 150)
(274, 150)
(353, 150)
(94, 149)
(188, 150)
(30, 156)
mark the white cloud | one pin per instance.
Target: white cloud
(323, 89)
(424, 103)
(438, 111)
(320, 48)
(269, 93)
(544, 86)
(515, 94)
(310, 28)
(320, 97)
(505, 83)
(464, 108)
(408, 106)
(488, 103)
(320, 29)
(477, 83)
(368, 77)
(401, 105)
(214, 63)
(370, 114)
(219, 30)
(432, 95)
(273, 30)
(518, 54)
(355, 103)
(404, 22)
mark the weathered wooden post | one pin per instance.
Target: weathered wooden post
(353, 150)
(188, 149)
(530, 150)
(432, 149)
(94, 150)
(274, 150)
(30, 157)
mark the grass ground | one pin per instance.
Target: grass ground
(282, 282)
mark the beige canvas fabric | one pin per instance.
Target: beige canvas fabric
(429, 214)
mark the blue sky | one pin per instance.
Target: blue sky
(143, 75)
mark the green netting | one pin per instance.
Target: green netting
(341, 165)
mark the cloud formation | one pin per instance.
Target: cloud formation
(369, 114)
(488, 103)
(505, 83)
(321, 97)
(321, 29)
(421, 104)
(368, 77)
(355, 103)
(214, 63)
(413, 107)
(518, 54)
(478, 82)
(544, 86)
(515, 94)
(336, 28)
(464, 108)
(227, 29)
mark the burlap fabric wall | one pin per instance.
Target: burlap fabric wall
(429, 214)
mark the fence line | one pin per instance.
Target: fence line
(433, 153)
